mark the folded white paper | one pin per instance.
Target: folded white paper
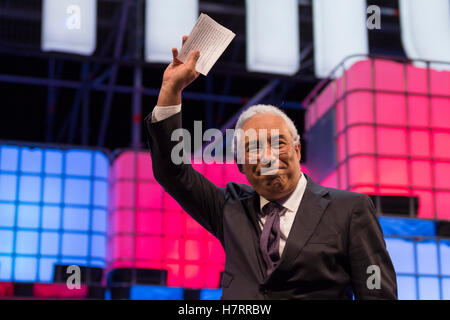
(210, 38)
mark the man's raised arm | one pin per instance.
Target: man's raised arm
(197, 195)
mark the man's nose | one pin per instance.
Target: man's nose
(267, 156)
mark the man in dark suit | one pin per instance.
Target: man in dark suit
(285, 237)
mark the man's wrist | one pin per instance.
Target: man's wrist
(168, 96)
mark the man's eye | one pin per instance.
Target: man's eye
(278, 142)
(278, 145)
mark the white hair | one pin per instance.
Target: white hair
(262, 109)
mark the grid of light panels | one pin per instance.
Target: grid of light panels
(421, 259)
(149, 230)
(391, 125)
(53, 210)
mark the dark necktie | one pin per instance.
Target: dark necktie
(270, 236)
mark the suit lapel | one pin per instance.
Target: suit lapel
(308, 215)
(251, 208)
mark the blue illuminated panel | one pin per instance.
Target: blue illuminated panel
(210, 294)
(141, 292)
(407, 287)
(53, 210)
(408, 227)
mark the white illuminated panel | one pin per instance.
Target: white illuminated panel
(165, 24)
(273, 43)
(69, 26)
(425, 30)
(339, 31)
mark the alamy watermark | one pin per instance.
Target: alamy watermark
(374, 20)
(74, 280)
(248, 146)
(374, 280)
(73, 21)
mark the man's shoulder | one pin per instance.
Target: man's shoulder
(344, 204)
(334, 194)
(347, 203)
(345, 200)
(345, 195)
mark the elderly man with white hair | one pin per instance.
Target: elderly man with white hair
(284, 236)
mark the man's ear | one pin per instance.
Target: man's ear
(298, 150)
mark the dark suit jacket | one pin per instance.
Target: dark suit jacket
(334, 238)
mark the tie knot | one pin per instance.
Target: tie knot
(272, 208)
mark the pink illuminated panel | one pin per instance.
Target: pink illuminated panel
(392, 132)
(148, 229)
(6, 289)
(59, 291)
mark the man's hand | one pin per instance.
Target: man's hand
(177, 76)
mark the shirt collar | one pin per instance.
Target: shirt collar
(292, 202)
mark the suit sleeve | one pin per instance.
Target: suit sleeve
(372, 272)
(198, 196)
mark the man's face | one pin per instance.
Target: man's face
(271, 147)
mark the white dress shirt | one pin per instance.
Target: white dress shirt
(161, 113)
(287, 215)
(290, 204)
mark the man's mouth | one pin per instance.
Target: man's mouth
(268, 171)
